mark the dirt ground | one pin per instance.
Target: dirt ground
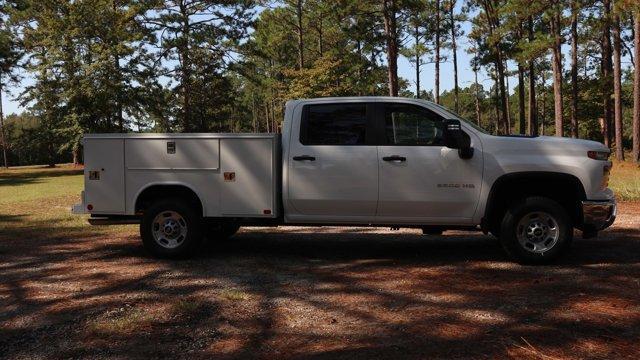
(320, 293)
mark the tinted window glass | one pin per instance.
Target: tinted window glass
(411, 125)
(334, 124)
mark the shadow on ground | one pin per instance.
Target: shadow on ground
(316, 293)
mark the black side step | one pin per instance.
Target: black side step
(116, 220)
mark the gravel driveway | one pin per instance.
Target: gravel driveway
(320, 293)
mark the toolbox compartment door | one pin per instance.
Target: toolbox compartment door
(104, 175)
(248, 177)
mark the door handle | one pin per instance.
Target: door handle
(304, 158)
(395, 158)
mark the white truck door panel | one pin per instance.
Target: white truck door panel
(422, 181)
(341, 181)
(432, 183)
(332, 172)
(104, 175)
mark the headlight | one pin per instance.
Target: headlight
(598, 155)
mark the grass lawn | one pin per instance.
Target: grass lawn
(36, 201)
(625, 181)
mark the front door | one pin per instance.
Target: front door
(333, 164)
(421, 180)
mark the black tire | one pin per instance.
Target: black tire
(534, 219)
(185, 245)
(217, 232)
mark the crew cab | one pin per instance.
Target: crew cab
(375, 161)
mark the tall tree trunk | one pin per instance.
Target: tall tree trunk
(2, 134)
(543, 115)
(417, 39)
(503, 94)
(320, 34)
(574, 69)
(617, 88)
(75, 156)
(475, 72)
(498, 103)
(454, 49)
(391, 35)
(494, 23)
(506, 67)
(185, 80)
(606, 73)
(118, 74)
(299, 31)
(437, 46)
(556, 24)
(636, 89)
(533, 111)
(521, 114)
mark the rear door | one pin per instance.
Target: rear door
(333, 164)
(104, 175)
(421, 180)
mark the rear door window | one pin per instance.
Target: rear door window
(334, 124)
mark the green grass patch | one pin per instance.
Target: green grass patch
(186, 307)
(18, 185)
(234, 295)
(121, 321)
(625, 181)
(35, 202)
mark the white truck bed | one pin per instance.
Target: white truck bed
(235, 175)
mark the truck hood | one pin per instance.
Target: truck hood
(543, 144)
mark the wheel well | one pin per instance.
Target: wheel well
(566, 189)
(156, 192)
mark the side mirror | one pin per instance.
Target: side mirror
(455, 138)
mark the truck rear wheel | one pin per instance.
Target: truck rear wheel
(536, 230)
(170, 228)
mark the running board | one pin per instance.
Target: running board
(113, 221)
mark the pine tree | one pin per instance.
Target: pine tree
(194, 34)
(390, 17)
(10, 55)
(617, 85)
(418, 29)
(574, 68)
(636, 86)
(556, 25)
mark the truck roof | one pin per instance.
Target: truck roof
(358, 98)
(181, 135)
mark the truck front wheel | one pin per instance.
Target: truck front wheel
(536, 230)
(170, 228)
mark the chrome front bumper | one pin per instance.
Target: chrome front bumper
(598, 215)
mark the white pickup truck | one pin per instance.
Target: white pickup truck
(357, 161)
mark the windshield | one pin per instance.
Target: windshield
(453, 115)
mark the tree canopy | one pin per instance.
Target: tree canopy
(230, 65)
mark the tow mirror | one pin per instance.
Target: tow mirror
(455, 138)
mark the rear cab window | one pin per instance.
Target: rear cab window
(334, 124)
